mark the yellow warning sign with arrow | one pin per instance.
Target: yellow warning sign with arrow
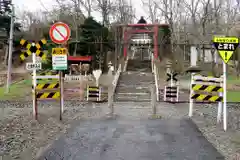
(226, 46)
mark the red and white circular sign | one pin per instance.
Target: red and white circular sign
(59, 32)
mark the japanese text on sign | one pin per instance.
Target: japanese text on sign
(59, 51)
(32, 66)
(226, 46)
(226, 43)
(225, 40)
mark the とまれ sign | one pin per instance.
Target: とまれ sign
(59, 33)
(226, 46)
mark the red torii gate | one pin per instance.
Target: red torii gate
(132, 31)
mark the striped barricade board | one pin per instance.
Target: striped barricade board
(93, 93)
(48, 95)
(171, 93)
(45, 89)
(206, 89)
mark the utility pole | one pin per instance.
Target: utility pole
(9, 74)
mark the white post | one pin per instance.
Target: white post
(100, 92)
(153, 100)
(219, 114)
(171, 85)
(156, 82)
(34, 82)
(152, 63)
(87, 93)
(190, 100)
(165, 92)
(97, 82)
(224, 96)
(177, 93)
(10, 50)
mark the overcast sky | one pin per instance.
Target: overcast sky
(34, 5)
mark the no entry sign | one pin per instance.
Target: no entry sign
(59, 33)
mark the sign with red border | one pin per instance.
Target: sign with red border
(59, 32)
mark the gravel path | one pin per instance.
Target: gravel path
(228, 143)
(22, 137)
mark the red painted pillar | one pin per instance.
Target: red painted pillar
(155, 41)
(125, 38)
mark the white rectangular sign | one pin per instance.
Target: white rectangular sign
(59, 62)
(32, 66)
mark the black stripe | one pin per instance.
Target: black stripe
(25, 44)
(93, 87)
(57, 85)
(211, 81)
(93, 95)
(193, 85)
(219, 99)
(207, 98)
(172, 88)
(25, 54)
(171, 96)
(173, 92)
(41, 54)
(195, 96)
(51, 95)
(216, 89)
(40, 43)
(93, 92)
(203, 87)
(42, 74)
(46, 85)
(39, 95)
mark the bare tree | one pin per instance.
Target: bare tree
(123, 12)
(105, 7)
(74, 17)
(151, 9)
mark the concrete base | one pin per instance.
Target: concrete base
(111, 116)
(155, 116)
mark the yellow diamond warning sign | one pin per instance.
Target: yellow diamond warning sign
(226, 46)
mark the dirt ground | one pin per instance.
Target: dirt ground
(228, 142)
(22, 137)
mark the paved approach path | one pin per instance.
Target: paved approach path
(142, 139)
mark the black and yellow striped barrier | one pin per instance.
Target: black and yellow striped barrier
(206, 88)
(48, 91)
(204, 97)
(48, 95)
(48, 86)
(94, 92)
(33, 48)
